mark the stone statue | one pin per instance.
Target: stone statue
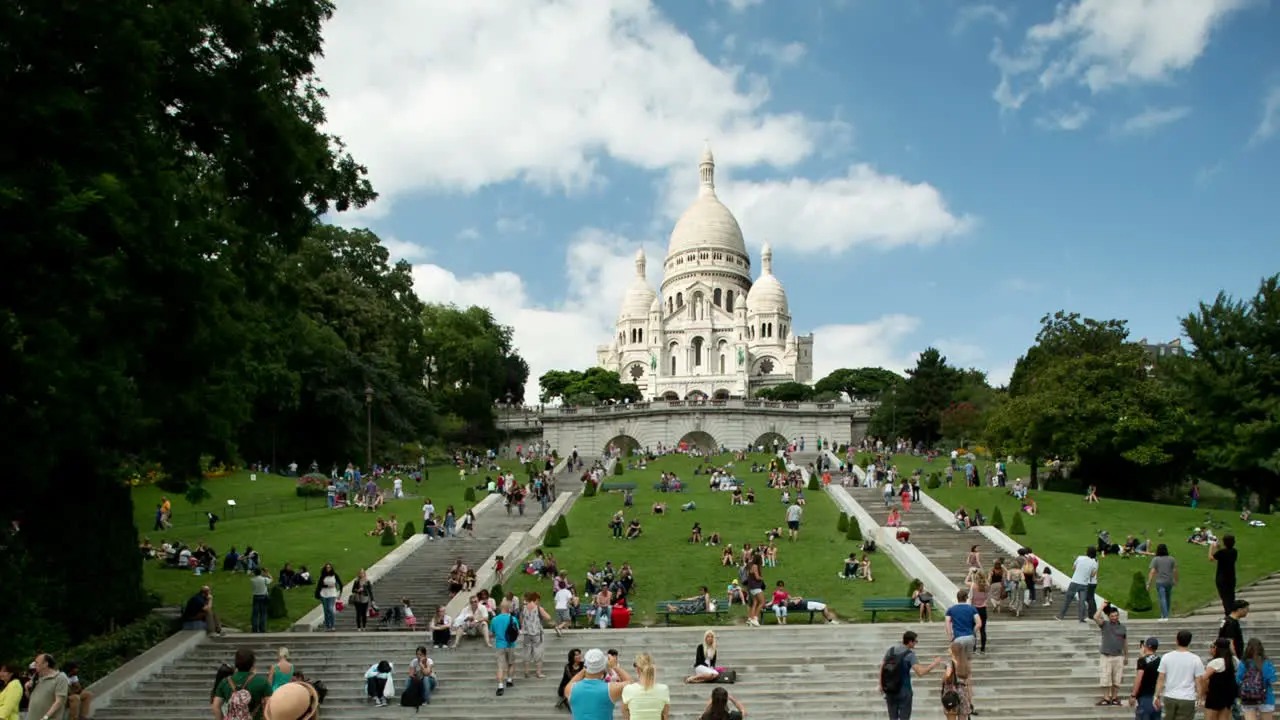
(653, 362)
(742, 356)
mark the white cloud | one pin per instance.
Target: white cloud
(515, 225)
(459, 94)
(878, 343)
(1152, 119)
(404, 250)
(1066, 120)
(1270, 117)
(781, 53)
(863, 207)
(969, 15)
(1104, 44)
(740, 5)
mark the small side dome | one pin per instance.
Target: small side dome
(766, 295)
(640, 298)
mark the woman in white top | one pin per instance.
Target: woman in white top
(646, 699)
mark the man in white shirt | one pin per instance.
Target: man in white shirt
(398, 484)
(1176, 689)
(1083, 572)
(564, 610)
(473, 621)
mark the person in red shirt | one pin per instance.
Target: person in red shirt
(780, 597)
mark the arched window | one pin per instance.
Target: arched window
(728, 301)
(763, 331)
(679, 300)
(673, 363)
(721, 363)
(716, 297)
(671, 305)
(639, 335)
(697, 352)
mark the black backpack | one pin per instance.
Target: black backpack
(513, 629)
(891, 673)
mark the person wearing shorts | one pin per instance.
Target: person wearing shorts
(793, 519)
(1114, 653)
(506, 649)
(564, 608)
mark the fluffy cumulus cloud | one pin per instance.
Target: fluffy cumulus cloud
(1105, 44)
(459, 94)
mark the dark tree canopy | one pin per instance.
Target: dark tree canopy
(471, 364)
(788, 392)
(866, 383)
(595, 385)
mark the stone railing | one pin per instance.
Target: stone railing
(861, 408)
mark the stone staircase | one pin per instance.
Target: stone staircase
(946, 547)
(1263, 596)
(423, 577)
(801, 671)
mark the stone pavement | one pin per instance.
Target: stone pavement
(1263, 597)
(1037, 670)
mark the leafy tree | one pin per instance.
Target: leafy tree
(866, 383)
(470, 364)
(913, 408)
(787, 392)
(595, 385)
(1082, 394)
(170, 156)
(960, 422)
(1230, 383)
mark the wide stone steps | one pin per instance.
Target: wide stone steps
(946, 547)
(423, 577)
(818, 673)
(1263, 596)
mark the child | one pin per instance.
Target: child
(1046, 585)
(409, 620)
(498, 564)
(771, 555)
(866, 568)
(780, 603)
(469, 580)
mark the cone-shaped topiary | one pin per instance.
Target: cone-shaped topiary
(1017, 528)
(276, 607)
(388, 537)
(408, 532)
(843, 523)
(617, 467)
(814, 482)
(853, 532)
(469, 495)
(997, 519)
(935, 482)
(589, 490)
(562, 527)
(552, 538)
(1139, 595)
(497, 593)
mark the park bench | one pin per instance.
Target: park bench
(797, 610)
(875, 605)
(668, 608)
(606, 487)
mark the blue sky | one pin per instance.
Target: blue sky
(928, 173)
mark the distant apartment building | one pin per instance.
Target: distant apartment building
(1159, 350)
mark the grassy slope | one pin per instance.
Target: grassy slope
(667, 567)
(1065, 525)
(282, 528)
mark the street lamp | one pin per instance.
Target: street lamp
(893, 392)
(368, 418)
(506, 428)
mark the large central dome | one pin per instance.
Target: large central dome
(707, 224)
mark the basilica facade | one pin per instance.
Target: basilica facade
(709, 331)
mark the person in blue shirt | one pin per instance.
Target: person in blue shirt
(498, 629)
(963, 622)
(1255, 657)
(899, 702)
(590, 696)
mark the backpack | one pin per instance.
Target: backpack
(950, 692)
(513, 629)
(743, 574)
(240, 700)
(1253, 686)
(891, 674)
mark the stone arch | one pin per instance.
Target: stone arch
(671, 395)
(700, 439)
(627, 444)
(695, 395)
(721, 394)
(722, 356)
(766, 439)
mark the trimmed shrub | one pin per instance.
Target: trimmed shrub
(617, 467)
(562, 527)
(312, 485)
(814, 482)
(552, 538)
(102, 654)
(935, 481)
(997, 519)
(843, 523)
(853, 532)
(497, 593)
(1017, 528)
(276, 607)
(469, 495)
(589, 490)
(1139, 595)
(388, 537)
(409, 531)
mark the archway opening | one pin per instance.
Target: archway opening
(699, 439)
(721, 395)
(670, 395)
(625, 443)
(696, 395)
(769, 441)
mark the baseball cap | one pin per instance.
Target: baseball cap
(1152, 643)
(595, 661)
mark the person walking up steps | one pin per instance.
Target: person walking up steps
(1143, 697)
(895, 676)
(1180, 673)
(1083, 571)
(1225, 555)
(963, 622)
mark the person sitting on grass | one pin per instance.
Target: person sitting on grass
(1028, 505)
(393, 524)
(866, 568)
(659, 508)
(378, 527)
(633, 530)
(751, 497)
(800, 496)
(713, 540)
(726, 556)
(695, 535)
(852, 568)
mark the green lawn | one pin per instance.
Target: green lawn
(667, 567)
(1064, 525)
(282, 528)
(908, 464)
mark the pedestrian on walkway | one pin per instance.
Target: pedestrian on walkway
(1225, 556)
(895, 676)
(1143, 697)
(1180, 672)
(1083, 571)
(963, 622)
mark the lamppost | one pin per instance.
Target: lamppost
(506, 428)
(893, 393)
(368, 418)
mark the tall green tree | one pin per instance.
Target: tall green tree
(1230, 382)
(163, 158)
(787, 392)
(471, 364)
(594, 385)
(1083, 394)
(913, 408)
(865, 383)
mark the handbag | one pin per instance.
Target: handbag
(340, 606)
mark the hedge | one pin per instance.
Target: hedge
(100, 655)
(409, 531)
(842, 525)
(590, 489)
(388, 537)
(814, 482)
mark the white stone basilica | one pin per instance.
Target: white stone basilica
(712, 332)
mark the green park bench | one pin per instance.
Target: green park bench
(875, 605)
(611, 486)
(668, 608)
(797, 610)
